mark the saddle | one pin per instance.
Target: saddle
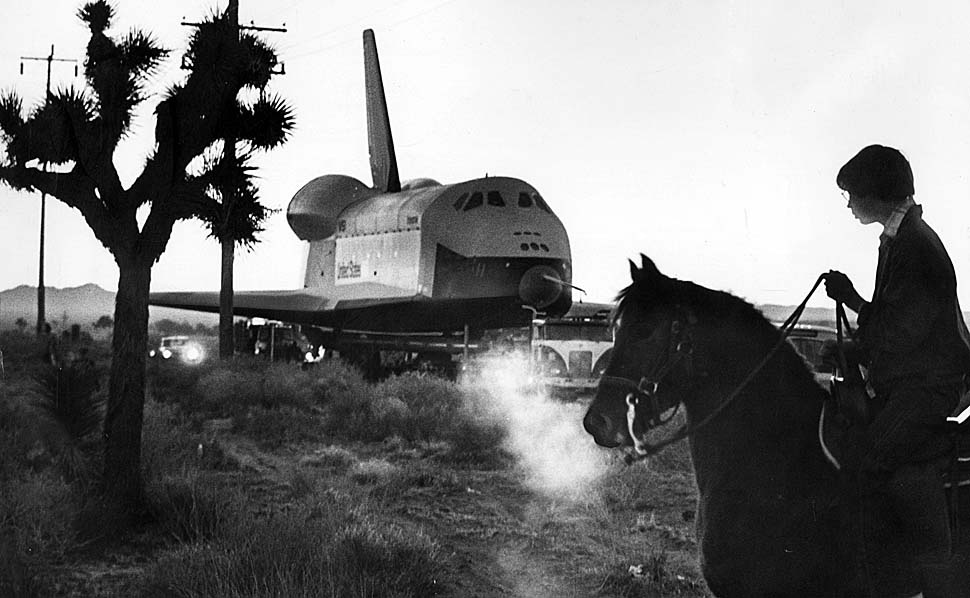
(958, 424)
(832, 425)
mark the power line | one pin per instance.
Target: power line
(356, 23)
(41, 292)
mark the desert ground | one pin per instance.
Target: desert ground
(271, 480)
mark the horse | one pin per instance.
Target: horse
(768, 518)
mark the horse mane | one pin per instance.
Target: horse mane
(708, 305)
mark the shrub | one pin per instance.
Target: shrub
(32, 438)
(415, 408)
(37, 511)
(430, 406)
(174, 382)
(272, 428)
(73, 408)
(21, 352)
(333, 379)
(231, 389)
(168, 444)
(21, 445)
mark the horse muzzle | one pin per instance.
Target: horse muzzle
(605, 431)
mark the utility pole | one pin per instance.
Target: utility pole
(228, 246)
(41, 292)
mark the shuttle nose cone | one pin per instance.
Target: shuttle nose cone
(540, 286)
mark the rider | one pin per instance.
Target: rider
(916, 348)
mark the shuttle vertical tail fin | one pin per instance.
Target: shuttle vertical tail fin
(383, 162)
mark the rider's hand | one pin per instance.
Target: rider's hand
(839, 287)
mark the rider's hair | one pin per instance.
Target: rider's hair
(879, 172)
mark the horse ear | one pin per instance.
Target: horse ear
(647, 268)
(647, 271)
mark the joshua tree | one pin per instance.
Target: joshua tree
(79, 129)
(232, 211)
(234, 216)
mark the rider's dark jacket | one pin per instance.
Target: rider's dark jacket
(913, 330)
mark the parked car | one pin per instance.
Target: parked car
(180, 348)
(817, 345)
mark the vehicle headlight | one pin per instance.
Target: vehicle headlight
(192, 353)
(166, 353)
(308, 356)
(152, 353)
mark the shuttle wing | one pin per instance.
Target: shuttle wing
(417, 313)
(290, 306)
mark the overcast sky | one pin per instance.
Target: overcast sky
(704, 134)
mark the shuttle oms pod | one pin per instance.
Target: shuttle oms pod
(417, 257)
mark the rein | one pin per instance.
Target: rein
(647, 389)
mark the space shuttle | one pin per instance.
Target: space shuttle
(414, 257)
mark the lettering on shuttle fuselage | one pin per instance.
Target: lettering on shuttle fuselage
(348, 270)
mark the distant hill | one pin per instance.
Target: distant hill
(79, 305)
(813, 315)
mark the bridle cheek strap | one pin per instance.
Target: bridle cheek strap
(641, 448)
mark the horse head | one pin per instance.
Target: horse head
(652, 366)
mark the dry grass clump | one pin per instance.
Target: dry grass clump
(638, 487)
(191, 507)
(651, 576)
(413, 478)
(314, 550)
(329, 457)
(372, 471)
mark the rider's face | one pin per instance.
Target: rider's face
(867, 209)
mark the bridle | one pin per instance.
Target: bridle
(643, 395)
(680, 349)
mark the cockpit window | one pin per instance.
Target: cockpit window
(495, 199)
(460, 201)
(541, 202)
(524, 200)
(474, 201)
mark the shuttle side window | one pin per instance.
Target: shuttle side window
(474, 201)
(495, 199)
(460, 201)
(524, 200)
(541, 202)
